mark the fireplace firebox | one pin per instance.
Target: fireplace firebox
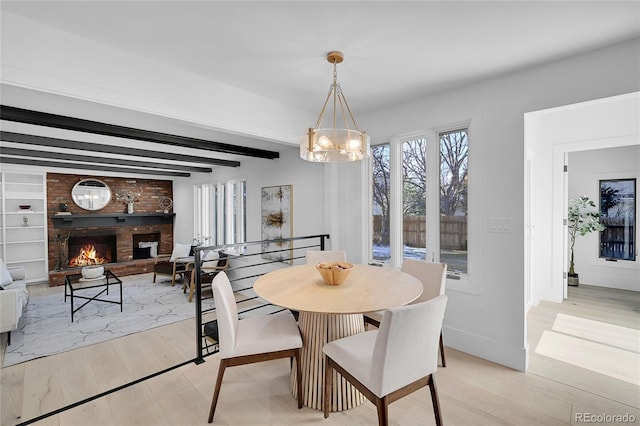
(92, 250)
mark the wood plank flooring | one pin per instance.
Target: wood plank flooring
(590, 341)
(472, 391)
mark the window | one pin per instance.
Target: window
(454, 153)
(414, 199)
(220, 212)
(421, 184)
(618, 213)
(381, 197)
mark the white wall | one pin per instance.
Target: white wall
(308, 193)
(491, 321)
(586, 168)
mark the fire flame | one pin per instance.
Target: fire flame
(87, 256)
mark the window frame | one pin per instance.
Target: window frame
(468, 283)
(226, 220)
(595, 257)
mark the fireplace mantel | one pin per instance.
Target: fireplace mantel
(110, 219)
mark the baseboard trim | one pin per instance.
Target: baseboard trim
(483, 347)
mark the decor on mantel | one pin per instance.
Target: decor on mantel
(335, 144)
(91, 194)
(129, 198)
(582, 219)
(165, 203)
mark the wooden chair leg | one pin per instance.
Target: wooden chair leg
(299, 377)
(328, 383)
(435, 400)
(383, 411)
(192, 287)
(444, 361)
(173, 276)
(216, 392)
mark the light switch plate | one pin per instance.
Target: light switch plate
(500, 225)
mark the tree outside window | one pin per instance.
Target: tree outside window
(454, 155)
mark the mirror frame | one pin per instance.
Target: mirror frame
(78, 197)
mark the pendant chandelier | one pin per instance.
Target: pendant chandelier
(334, 144)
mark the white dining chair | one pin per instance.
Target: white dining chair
(253, 339)
(393, 361)
(433, 276)
(319, 256)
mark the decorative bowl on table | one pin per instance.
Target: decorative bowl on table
(334, 273)
(92, 272)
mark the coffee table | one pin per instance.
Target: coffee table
(75, 283)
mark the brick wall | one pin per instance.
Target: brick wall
(59, 188)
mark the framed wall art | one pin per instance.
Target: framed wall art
(277, 222)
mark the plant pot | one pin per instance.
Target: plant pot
(573, 280)
(130, 208)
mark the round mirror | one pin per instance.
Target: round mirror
(91, 194)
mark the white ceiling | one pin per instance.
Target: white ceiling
(394, 51)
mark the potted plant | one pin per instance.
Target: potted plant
(582, 219)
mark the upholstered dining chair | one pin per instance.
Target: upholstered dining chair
(253, 339)
(433, 276)
(319, 256)
(393, 361)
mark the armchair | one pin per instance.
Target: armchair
(208, 271)
(173, 265)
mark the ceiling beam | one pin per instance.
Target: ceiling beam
(110, 149)
(98, 159)
(38, 118)
(81, 166)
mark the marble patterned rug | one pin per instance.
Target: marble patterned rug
(46, 328)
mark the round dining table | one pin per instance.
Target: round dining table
(331, 312)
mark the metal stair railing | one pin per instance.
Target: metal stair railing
(247, 262)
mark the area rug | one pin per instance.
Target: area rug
(46, 328)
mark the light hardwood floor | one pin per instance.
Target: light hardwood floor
(472, 391)
(590, 341)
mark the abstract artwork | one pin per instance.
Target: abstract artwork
(277, 222)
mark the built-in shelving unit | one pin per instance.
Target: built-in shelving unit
(24, 230)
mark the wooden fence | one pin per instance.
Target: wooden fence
(453, 231)
(617, 241)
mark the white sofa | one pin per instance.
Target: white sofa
(14, 297)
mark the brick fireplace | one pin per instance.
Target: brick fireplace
(109, 226)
